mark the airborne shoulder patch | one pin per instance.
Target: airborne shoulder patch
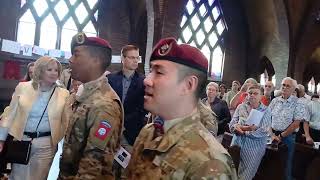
(103, 130)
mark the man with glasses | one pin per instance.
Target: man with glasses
(128, 84)
(286, 114)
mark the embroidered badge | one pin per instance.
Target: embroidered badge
(103, 130)
(80, 38)
(164, 49)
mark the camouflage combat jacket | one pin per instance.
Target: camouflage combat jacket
(208, 118)
(186, 151)
(93, 133)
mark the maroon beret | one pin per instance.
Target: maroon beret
(169, 49)
(81, 39)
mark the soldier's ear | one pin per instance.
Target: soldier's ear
(190, 84)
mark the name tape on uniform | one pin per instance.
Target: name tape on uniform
(122, 157)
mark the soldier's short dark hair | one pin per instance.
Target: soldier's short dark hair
(185, 71)
(103, 54)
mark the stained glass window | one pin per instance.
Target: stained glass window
(51, 24)
(203, 26)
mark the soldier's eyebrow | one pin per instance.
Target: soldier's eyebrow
(157, 67)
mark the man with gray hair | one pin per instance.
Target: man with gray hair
(303, 94)
(286, 114)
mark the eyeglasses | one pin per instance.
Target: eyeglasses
(133, 57)
(285, 85)
(253, 93)
(269, 86)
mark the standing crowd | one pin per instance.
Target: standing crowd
(161, 122)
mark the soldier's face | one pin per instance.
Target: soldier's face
(80, 63)
(162, 87)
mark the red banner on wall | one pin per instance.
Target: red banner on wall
(11, 70)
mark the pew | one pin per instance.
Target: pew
(304, 162)
(272, 164)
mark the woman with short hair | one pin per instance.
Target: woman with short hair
(251, 139)
(37, 112)
(218, 106)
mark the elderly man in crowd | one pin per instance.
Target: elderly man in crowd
(286, 114)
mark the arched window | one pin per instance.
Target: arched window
(203, 26)
(51, 24)
(264, 79)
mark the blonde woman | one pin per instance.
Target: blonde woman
(27, 108)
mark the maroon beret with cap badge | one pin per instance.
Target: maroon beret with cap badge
(169, 49)
(81, 39)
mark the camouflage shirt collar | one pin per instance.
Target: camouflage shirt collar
(173, 135)
(170, 123)
(90, 87)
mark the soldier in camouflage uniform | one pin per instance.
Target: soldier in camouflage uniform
(208, 118)
(185, 149)
(95, 127)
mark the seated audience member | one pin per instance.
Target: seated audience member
(39, 112)
(29, 73)
(230, 94)
(251, 139)
(218, 106)
(268, 93)
(286, 114)
(222, 91)
(240, 97)
(314, 123)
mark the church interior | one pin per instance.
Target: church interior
(267, 40)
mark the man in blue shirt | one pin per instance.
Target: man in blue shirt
(128, 84)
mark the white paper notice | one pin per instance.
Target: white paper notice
(254, 117)
(122, 157)
(26, 50)
(10, 46)
(39, 51)
(67, 55)
(54, 53)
